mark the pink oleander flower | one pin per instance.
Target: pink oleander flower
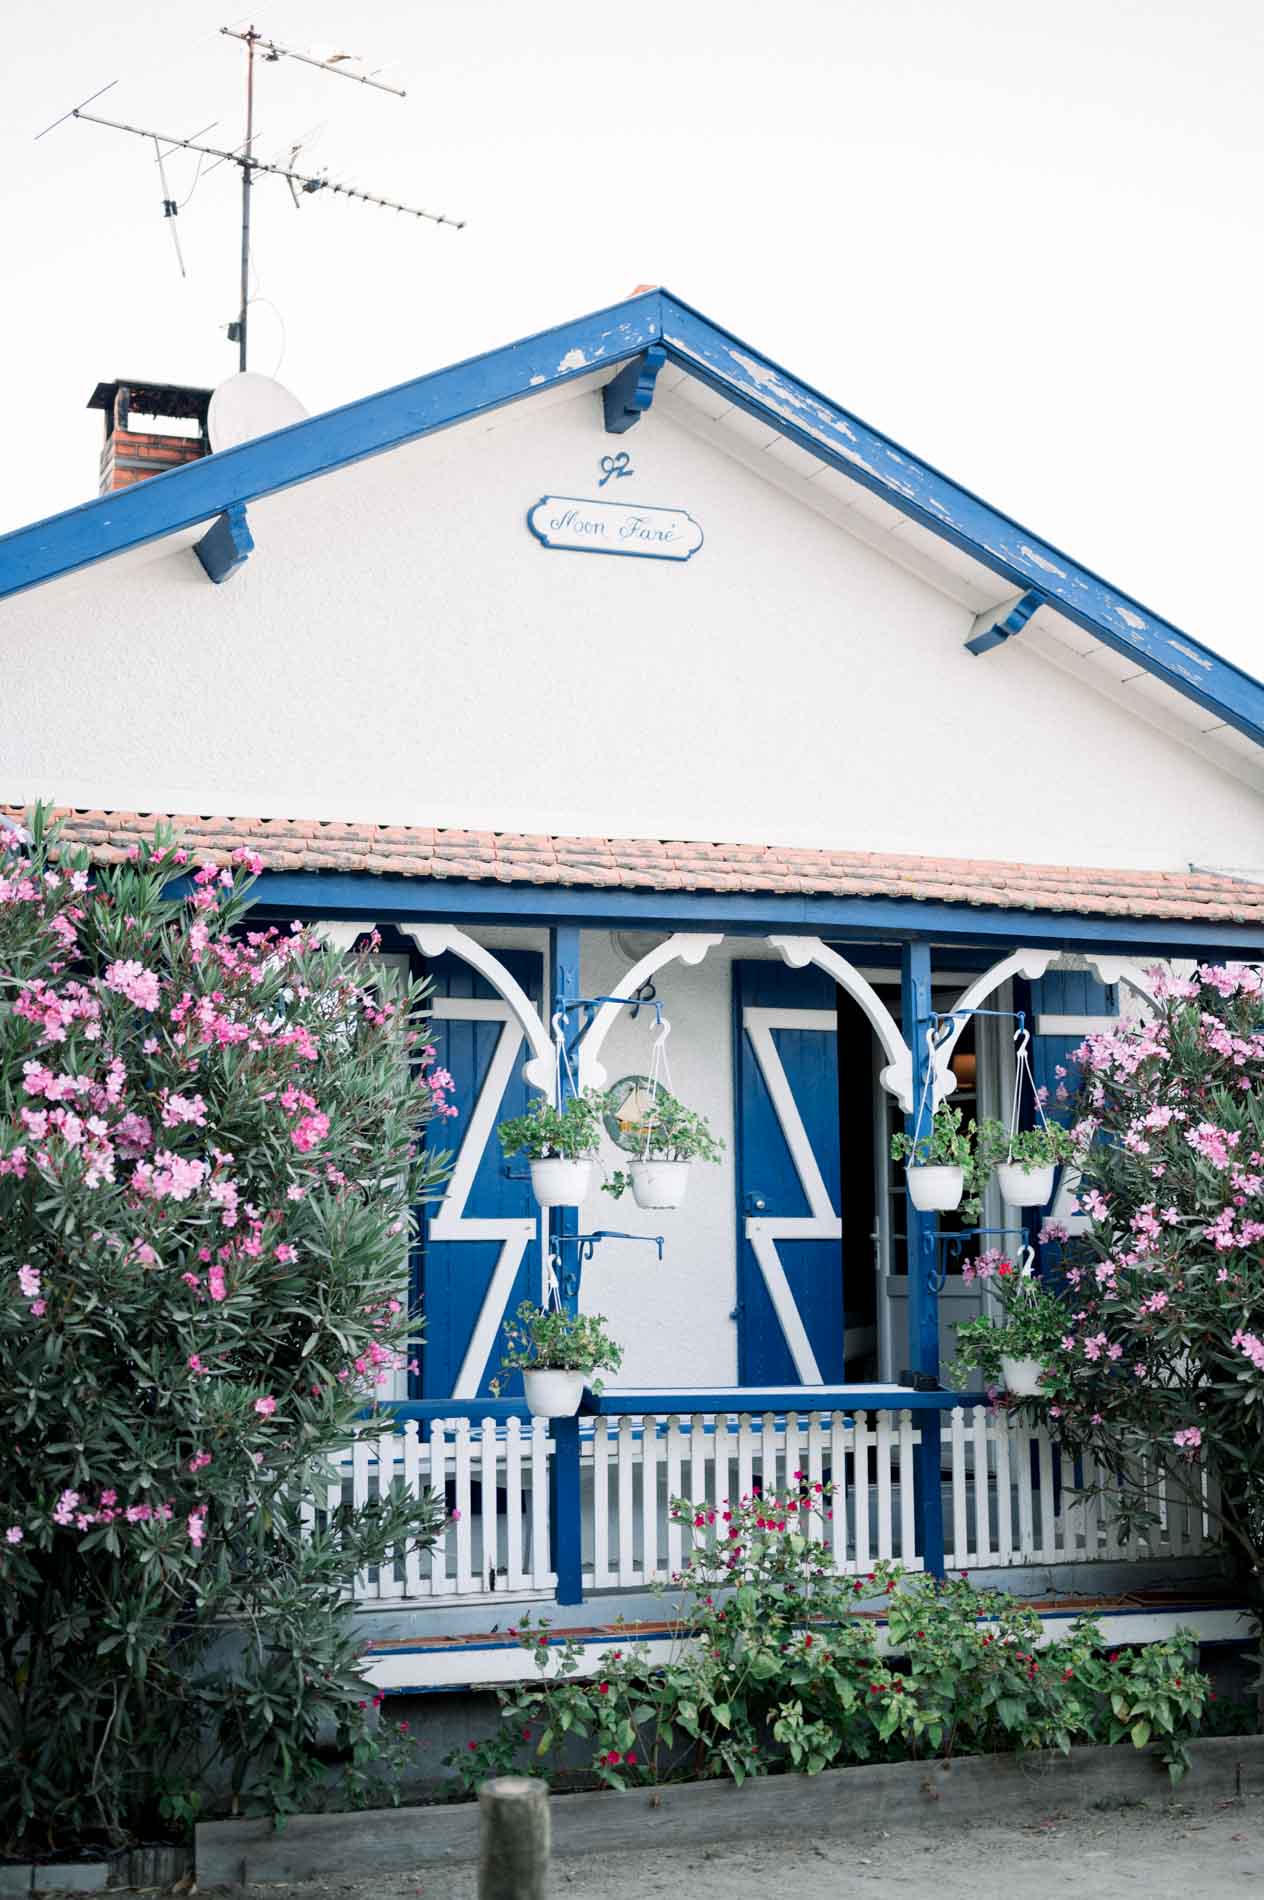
(309, 1130)
(15, 1534)
(197, 1526)
(1189, 1439)
(216, 1284)
(132, 980)
(286, 1254)
(266, 1406)
(194, 1364)
(29, 1281)
(199, 1461)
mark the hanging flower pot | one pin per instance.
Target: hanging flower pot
(935, 1190)
(659, 1184)
(557, 1183)
(554, 1394)
(1025, 1184)
(1021, 1376)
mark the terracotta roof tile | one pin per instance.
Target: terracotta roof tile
(647, 864)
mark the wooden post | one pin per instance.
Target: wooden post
(513, 1850)
(923, 1262)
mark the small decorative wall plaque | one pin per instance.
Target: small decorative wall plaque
(614, 527)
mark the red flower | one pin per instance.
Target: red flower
(603, 1688)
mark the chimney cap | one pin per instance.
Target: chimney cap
(152, 399)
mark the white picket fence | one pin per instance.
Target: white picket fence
(1011, 1497)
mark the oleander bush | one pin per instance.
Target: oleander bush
(211, 1143)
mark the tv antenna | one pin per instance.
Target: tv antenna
(301, 183)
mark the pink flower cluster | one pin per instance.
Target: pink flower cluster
(1253, 1346)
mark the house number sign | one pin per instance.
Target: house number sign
(614, 527)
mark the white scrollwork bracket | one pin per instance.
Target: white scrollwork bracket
(1031, 964)
(684, 947)
(433, 940)
(1113, 970)
(897, 1076)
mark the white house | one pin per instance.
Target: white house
(618, 663)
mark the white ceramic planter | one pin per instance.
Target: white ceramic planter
(659, 1183)
(560, 1183)
(936, 1190)
(1024, 1187)
(554, 1394)
(1021, 1376)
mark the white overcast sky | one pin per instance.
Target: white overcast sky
(1025, 240)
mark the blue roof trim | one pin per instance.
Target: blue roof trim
(924, 494)
(184, 497)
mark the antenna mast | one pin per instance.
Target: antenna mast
(247, 172)
(243, 157)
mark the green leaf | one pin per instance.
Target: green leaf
(1140, 1734)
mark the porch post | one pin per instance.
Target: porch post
(565, 1501)
(923, 1297)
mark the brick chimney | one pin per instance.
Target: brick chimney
(130, 455)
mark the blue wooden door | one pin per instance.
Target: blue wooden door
(790, 1261)
(480, 1251)
(1067, 1005)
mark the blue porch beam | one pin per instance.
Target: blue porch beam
(916, 1010)
(994, 629)
(627, 396)
(226, 545)
(283, 894)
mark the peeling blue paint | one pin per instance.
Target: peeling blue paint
(200, 491)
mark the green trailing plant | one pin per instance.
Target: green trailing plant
(212, 1137)
(950, 1142)
(1032, 1323)
(549, 1339)
(775, 1664)
(545, 1133)
(1049, 1143)
(670, 1132)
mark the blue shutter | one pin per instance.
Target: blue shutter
(790, 1285)
(458, 1273)
(1085, 1007)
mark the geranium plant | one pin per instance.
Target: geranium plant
(949, 1142)
(1161, 1366)
(775, 1664)
(545, 1133)
(669, 1132)
(1048, 1144)
(551, 1339)
(211, 1141)
(1033, 1322)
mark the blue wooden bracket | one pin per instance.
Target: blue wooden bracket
(998, 632)
(226, 544)
(626, 398)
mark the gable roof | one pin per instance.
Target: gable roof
(1020, 584)
(655, 864)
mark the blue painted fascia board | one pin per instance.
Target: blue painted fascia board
(927, 496)
(198, 491)
(184, 497)
(333, 894)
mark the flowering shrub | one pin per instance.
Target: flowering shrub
(549, 1339)
(1161, 1361)
(209, 1152)
(776, 1662)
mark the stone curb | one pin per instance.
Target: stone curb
(893, 1795)
(136, 1869)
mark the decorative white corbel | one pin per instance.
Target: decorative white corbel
(434, 940)
(684, 947)
(897, 1076)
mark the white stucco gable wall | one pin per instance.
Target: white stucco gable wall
(400, 649)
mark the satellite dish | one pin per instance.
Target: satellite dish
(248, 405)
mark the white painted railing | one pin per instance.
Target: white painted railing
(1011, 1496)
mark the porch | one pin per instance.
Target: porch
(572, 1517)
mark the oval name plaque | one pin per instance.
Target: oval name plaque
(614, 527)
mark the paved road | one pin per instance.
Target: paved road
(1174, 1854)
